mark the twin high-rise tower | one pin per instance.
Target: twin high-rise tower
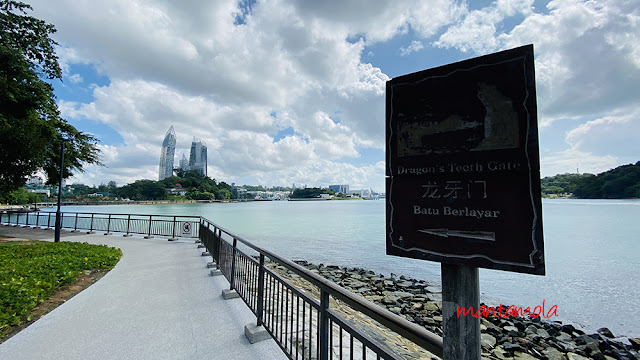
(166, 154)
(197, 157)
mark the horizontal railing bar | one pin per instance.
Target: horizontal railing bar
(168, 218)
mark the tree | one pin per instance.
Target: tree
(310, 193)
(31, 129)
(143, 190)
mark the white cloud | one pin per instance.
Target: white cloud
(415, 46)
(477, 31)
(618, 134)
(571, 161)
(587, 71)
(299, 65)
(588, 57)
(598, 145)
(76, 78)
(290, 65)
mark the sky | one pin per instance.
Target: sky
(286, 91)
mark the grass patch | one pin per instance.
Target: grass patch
(31, 271)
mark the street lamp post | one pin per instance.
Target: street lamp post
(58, 215)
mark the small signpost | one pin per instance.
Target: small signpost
(186, 229)
(463, 178)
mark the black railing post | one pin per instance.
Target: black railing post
(173, 234)
(27, 222)
(218, 244)
(128, 224)
(108, 225)
(324, 325)
(49, 221)
(260, 308)
(75, 223)
(91, 225)
(233, 264)
(148, 236)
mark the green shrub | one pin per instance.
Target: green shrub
(30, 273)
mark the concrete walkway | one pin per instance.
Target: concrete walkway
(159, 302)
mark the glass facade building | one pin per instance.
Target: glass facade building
(198, 156)
(166, 155)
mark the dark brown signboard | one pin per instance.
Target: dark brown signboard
(463, 168)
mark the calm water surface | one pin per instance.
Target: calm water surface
(592, 250)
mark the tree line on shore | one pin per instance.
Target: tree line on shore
(622, 182)
(186, 185)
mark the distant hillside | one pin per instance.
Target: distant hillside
(622, 182)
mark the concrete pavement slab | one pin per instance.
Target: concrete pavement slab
(159, 302)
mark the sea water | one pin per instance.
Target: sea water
(592, 250)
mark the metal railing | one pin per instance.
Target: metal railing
(312, 321)
(149, 225)
(307, 315)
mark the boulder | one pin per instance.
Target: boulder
(554, 354)
(487, 341)
(573, 356)
(512, 347)
(523, 356)
(605, 332)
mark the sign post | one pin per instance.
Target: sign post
(461, 338)
(463, 177)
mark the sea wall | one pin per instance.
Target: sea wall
(502, 337)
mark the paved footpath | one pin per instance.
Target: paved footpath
(159, 302)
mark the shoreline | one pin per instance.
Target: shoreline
(502, 337)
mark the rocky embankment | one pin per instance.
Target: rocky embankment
(502, 338)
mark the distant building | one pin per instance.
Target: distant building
(177, 191)
(198, 156)
(166, 155)
(40, 191)
(340, 188)
(35, 181)
(184, 163)
(364, 193)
